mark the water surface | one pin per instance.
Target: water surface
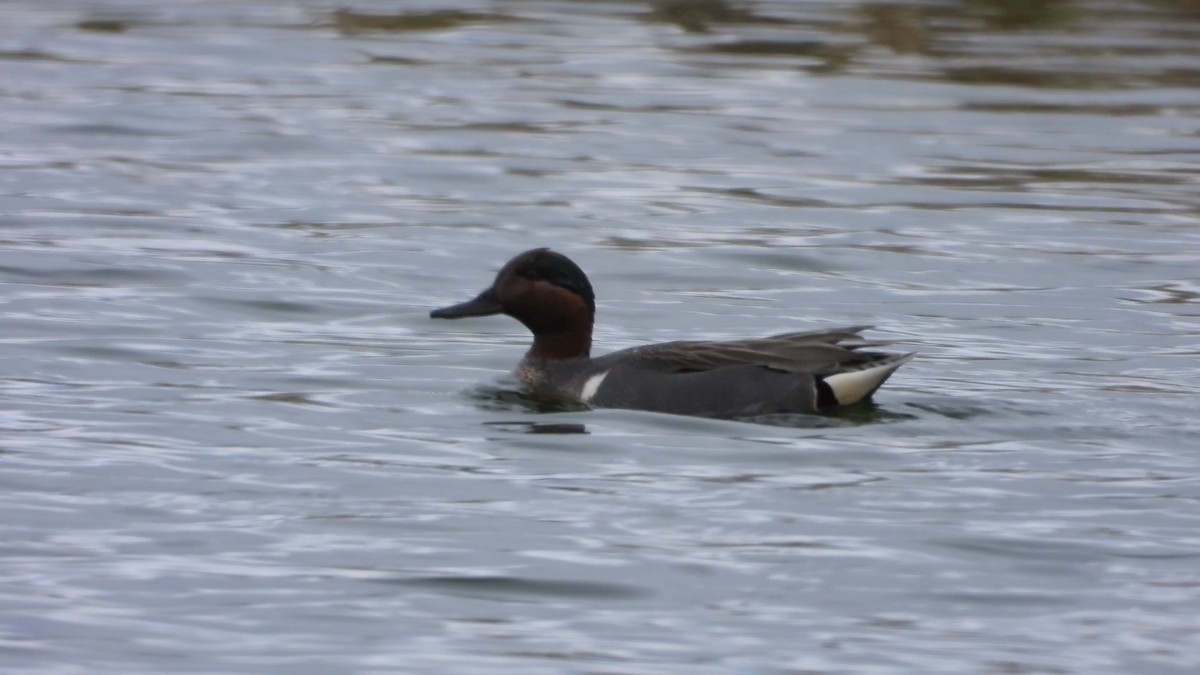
(232, 441)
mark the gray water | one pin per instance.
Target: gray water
(232, 441)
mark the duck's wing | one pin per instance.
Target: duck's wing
(815, 352)
(793, 372)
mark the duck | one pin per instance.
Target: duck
(810, 372)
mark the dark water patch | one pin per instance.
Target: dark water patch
(110, 129)
(1157, 555)
(1018, 177)
(1103, 109)
(259, 307)
(463, 153)
(900, 28)
(98, 216)
(1135, 477)
(758, 196)
(632, 243)
(1011, 15)
(517, 589)
(816, 544)
(105, 25)
(101, 277)
(29, 164)
(101, 352)
(1184, 78)
(37, 55)
(390, 60)
(1170, 293)
(831, 58)
(771, 48)
(1014, 206)
(938, 29)
(539, 427)
(814, 484)
(292, 398)
(955, 410)
(322, 228)
(1029, 549)
(632, 106)
(1037, 79)
(766, 258)
(511, 127)
(698, 16)
(1015, 597)
(531, 172)
(350, 22)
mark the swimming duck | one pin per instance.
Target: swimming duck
(809, 372)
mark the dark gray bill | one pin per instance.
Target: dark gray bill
(484, 304)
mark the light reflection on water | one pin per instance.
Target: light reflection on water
(232, 440)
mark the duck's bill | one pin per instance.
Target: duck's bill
(484, 304)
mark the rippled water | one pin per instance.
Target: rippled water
(231, 440)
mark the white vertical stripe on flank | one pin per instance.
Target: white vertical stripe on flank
(592, 386)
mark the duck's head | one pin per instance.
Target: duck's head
(548, 293)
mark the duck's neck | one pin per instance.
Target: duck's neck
(561, 346)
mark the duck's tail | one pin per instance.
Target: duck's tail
(852, 386)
